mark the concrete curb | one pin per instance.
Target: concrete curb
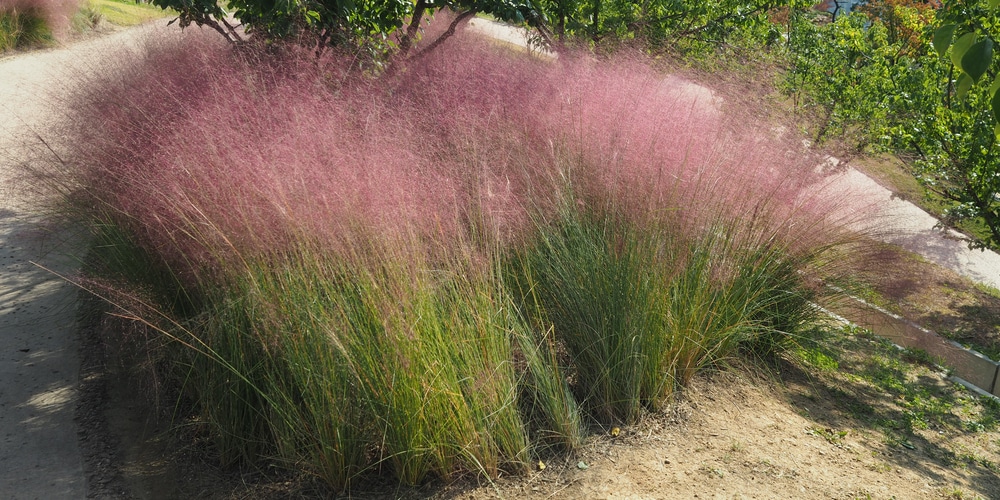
(968, 367)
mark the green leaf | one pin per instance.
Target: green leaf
(993, 3)
(995, 104)
(943, 37)
(960, 47)
(996, 84)
(996, 131)
(964, 84)
(978, 58)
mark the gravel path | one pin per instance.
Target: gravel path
(40, 454)
(904, 224)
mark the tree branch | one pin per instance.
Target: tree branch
(411, 31)
(464, 16)
(721, 19)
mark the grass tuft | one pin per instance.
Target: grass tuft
(26, 23)
(450, 269)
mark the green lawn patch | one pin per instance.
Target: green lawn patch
(125, 13)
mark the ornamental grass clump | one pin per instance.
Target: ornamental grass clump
(444, 270)
(25, 23)
(401, 365)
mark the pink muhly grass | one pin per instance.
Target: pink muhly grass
(209, 157)
(635, 141)
(235, 168)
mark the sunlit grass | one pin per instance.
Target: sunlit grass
(128, 13)
(896, 393)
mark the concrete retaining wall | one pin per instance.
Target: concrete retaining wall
(969, 365)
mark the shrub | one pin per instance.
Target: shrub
(444, 269)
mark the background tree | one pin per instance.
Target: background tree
(379, 24)
(661, 22)
(966, 33)
(901, 76)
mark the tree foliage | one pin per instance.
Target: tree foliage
(659, 22)
(372, 24)
(967, 32)
(891, 75)
(393, 25)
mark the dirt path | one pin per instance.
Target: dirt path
(902, 223)
(40, 455)
(734, 439)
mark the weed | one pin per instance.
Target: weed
(880, 466)
(832, 436)
(920, 356)
(988, 290)
(977, 459)
(817, 358)
(958, 494)
(713, 472)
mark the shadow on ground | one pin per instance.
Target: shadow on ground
(914, 416)
(39, 456)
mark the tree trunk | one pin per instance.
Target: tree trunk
(561, 20)
(411, 31)
(595, 26)
(464, 16)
